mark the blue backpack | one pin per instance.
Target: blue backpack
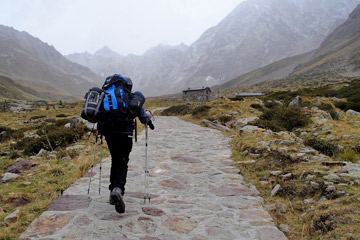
(117, 99)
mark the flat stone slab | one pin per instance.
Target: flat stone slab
(70, 202)
(195, 190)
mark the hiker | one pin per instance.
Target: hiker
(118, 135)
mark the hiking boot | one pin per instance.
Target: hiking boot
(118, 200)
(111, 201)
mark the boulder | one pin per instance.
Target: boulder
(6, 177)
(216, 126)
(352, 112)
(275, 190)
(251, 129)
(21, 166)
(12, 217)
(295, 102)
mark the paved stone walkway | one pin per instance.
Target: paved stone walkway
(197, 194)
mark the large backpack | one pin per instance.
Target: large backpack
(117, 99)
(93, 107)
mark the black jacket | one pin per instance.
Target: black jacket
(113, 127)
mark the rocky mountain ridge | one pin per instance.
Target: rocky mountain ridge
(254, 34)
(40, 69)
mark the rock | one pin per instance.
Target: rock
(231, 113)
(20, 166)
(327, 115)
(66, 159)
(230, 124)
(254, 189)
(332, 177)
(330, 188)
(322, 199)
(284, 228)
(340, 193)
(295, 102)
(310, 176)
(67, 125)
(216, 126)
(76, 121)
(286, 142)
(281, 208)
(275, 190)
(308, 201)
(42, 152)
(76, 147)
(314, 185)
(12, 217)
(358, 199)
(275, 173)
(352, 112)
(263, 143)
(91, 126)
(288, 175)
(6, 177)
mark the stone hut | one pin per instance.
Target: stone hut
(197, 94)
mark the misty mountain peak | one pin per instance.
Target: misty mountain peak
(106, 52)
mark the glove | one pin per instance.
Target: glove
(151, 125)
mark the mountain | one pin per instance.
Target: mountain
(256, 33)
(150, 72)
(337, 59)
(38, 70)
(340, 51)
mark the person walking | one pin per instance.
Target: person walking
(119, 137)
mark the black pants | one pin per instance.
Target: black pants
(120, 146)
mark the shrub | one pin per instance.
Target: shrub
(200, 111)
(37, 117)
(334, 114)
(176, 110)
(224, 119)
(326, 106)
(323, 146)
(271, 104)
(282, 118)
(257, 106)
(57, 137)
(340, 104)
(10, 133)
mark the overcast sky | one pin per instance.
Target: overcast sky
(126, 26)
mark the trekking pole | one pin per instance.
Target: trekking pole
(147, 195)
(101, 155)
(92, 164)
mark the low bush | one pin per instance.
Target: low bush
(334, 114)
(200, 111)
(340, 104)
(224, 119)
(257, 106)
(51, 138)
(282, 118)
(271, 104)
(326, 147)
(37, 117)
(7, 133)
(176, 110)
(326, 106)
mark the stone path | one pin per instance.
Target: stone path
(197, 194)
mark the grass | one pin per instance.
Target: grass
(49, 178)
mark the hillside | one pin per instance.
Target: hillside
(29, 62)
(340, 51)
(276, 70)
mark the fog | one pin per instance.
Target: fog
(123, 25)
